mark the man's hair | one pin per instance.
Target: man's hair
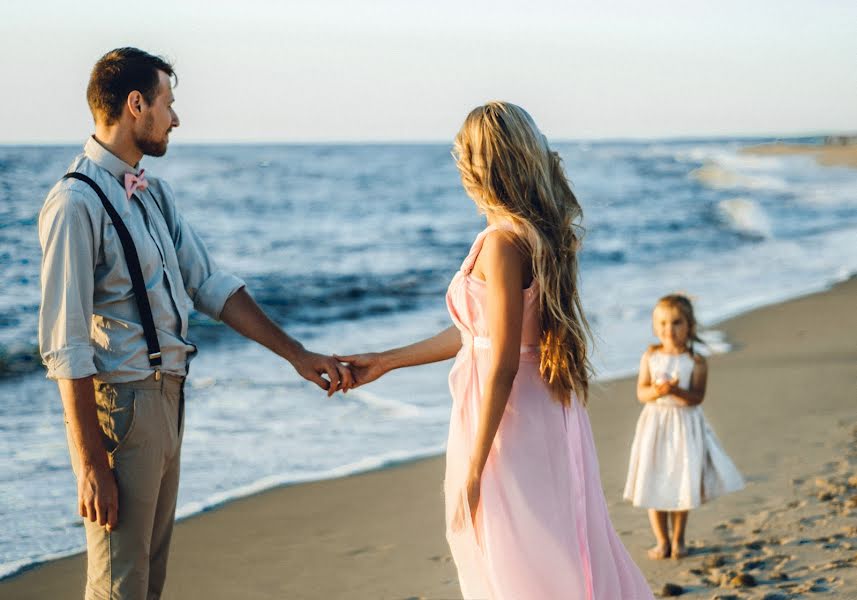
(117, 74)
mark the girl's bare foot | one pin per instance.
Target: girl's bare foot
(659, 552)
(679, 550)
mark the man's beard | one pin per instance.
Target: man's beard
(147, 143)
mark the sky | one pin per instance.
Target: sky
(410, 70)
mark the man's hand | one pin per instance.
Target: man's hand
(98, 496)
(312, 366)
(364, 367)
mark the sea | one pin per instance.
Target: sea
(350, 248)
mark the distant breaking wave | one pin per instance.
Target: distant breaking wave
(745, 217)
(717, 177)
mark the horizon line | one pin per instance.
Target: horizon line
(439, 141)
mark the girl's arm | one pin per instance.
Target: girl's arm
(371, 365)
(646, 391)
(698, 380)
(503, 266)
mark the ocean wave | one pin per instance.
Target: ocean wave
(314, 299)
(19, 359)
(718, 177)
(323, 298)
(745, 217)
(16, 567)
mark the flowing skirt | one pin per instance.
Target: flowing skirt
(542, 530)
(677, 462)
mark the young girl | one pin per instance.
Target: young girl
(677, 462)
(526, 516)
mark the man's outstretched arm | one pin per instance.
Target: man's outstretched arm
(243, 315)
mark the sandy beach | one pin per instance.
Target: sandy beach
(829, 155)
(782, 403)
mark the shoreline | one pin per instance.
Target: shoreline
(612, 431)
(403, 458)
(828, 155)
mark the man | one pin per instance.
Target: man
(123, 401)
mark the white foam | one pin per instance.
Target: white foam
(17, 566)
(714, 342)
(389, 406)
(746, 217)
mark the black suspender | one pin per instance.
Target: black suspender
(133, 261)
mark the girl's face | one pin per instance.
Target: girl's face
(671, 327)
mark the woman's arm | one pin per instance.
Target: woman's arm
(503, 265)
(698, 381)
(371, 365)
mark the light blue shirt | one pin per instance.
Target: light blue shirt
(88, 321)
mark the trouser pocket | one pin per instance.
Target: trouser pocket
(117, 411)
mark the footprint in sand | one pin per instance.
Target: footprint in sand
(445, 558)
(369, 550)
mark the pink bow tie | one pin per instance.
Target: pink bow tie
(135, 182)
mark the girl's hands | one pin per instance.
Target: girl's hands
(665, 387)
(364, 367)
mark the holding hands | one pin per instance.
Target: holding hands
(342, 373)
(365, 367)
(311, 366)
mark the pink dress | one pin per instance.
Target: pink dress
(542, 527)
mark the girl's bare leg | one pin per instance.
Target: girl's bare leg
(658, 519)
(679, 524)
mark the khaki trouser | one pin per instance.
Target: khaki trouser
(142, 428)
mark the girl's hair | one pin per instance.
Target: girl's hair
(682, 304)
(511, 173)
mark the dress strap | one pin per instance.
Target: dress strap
(476, 248)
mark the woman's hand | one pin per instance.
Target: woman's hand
(471, 495)
(474, 489)
(364, 367)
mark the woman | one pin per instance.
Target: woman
(525, 513)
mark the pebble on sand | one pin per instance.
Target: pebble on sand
(672, 589)
(743, 580)
(710, 562)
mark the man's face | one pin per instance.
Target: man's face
(157, 119)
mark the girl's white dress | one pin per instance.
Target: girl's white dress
(677, 462)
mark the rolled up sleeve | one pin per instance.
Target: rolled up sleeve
(67, 284)
(212, 295)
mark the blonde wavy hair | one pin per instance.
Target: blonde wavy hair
(510, 172)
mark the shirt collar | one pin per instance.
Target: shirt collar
(105, 159)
